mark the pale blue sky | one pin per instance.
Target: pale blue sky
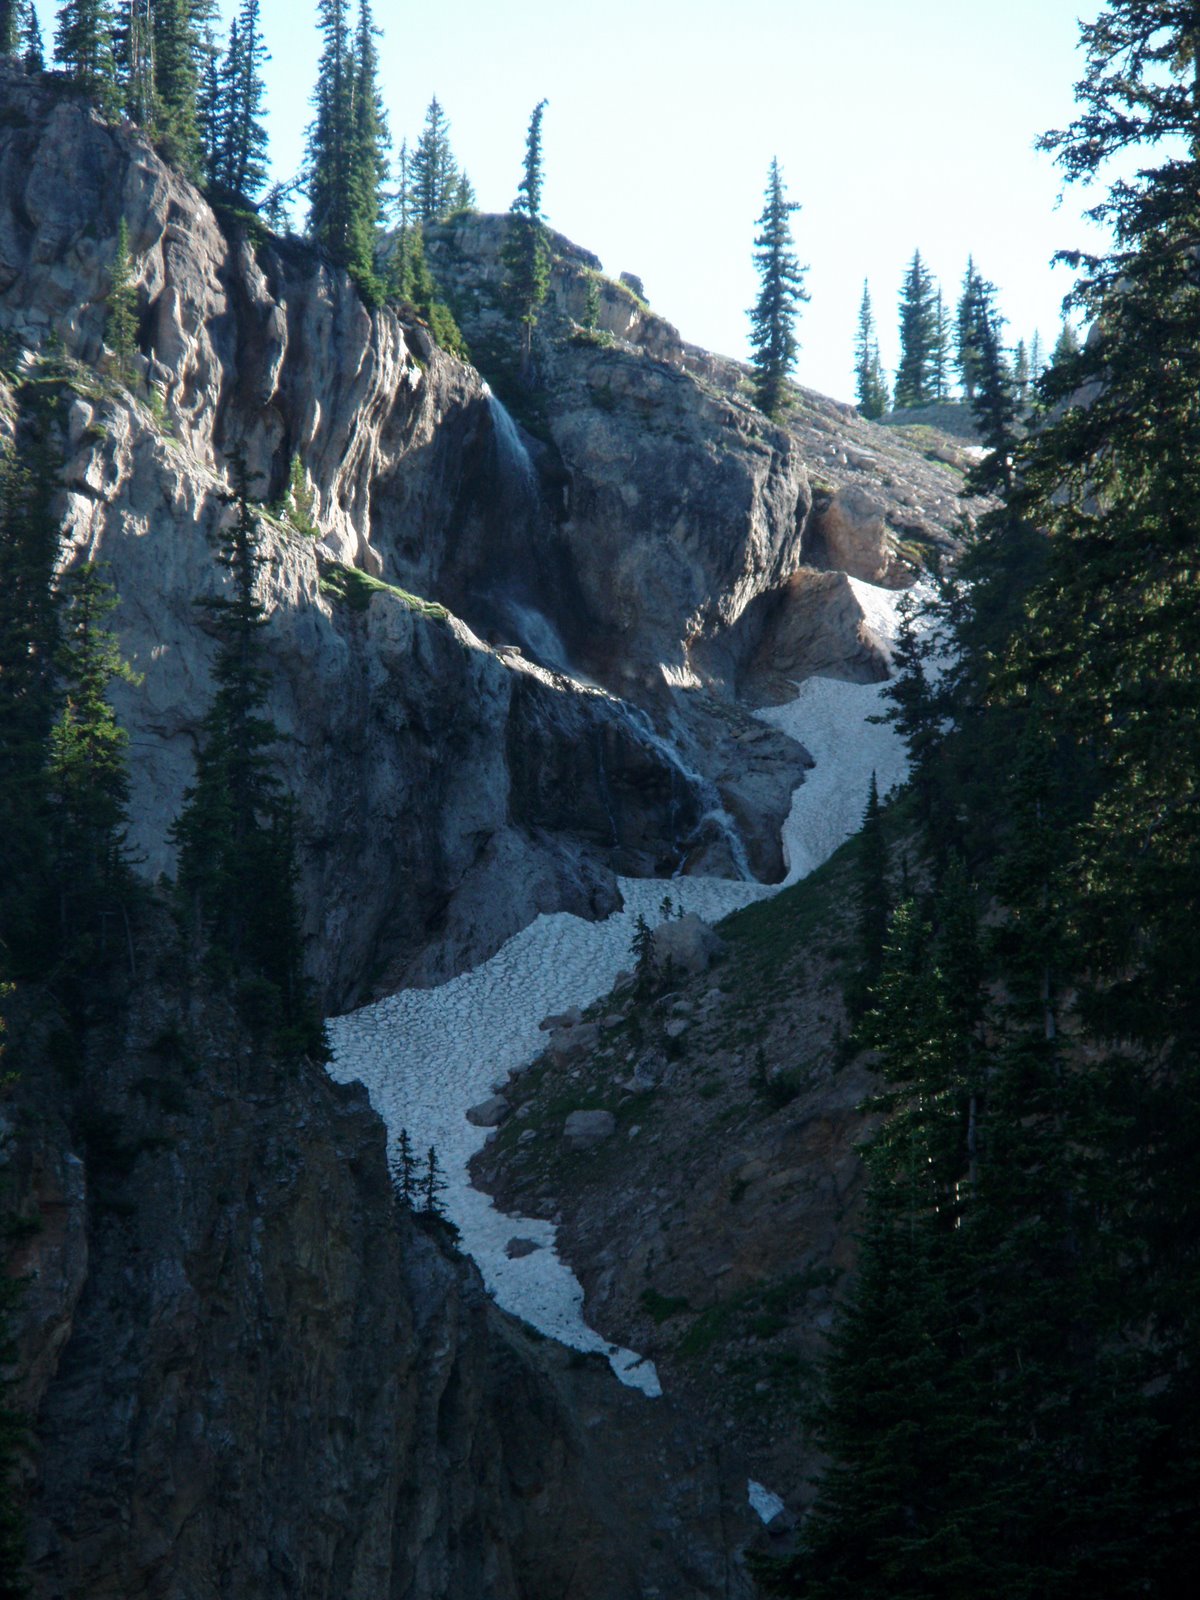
(898, 125)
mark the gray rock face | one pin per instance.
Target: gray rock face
(250, 1373)
(585, 1129)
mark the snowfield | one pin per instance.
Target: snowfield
(426, 1055)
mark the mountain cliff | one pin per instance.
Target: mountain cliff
(512, 651)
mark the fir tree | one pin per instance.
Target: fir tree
(121, 319)
(434, 176)
(235, 130)
(870, 384)
(918, 337)
(29, 637)
(331, 135)
(940, 363)
(177, 45)
(368, 161)
(33, 50)
(236, 836)
(83, 46)
(433, 1186)
(87, 767)
(10, 26)
(994, 403)
(403, 1168)
(527, 248)
(1022, 374)
(964, 348)
(133, 53)
(781, 292)
(1066, 346)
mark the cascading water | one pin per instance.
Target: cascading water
(714, 811)
(517, 471)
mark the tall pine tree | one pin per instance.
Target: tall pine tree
(870, 384)
(781, 293)
(527, 247)
(915, 376)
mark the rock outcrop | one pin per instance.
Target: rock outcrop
(252, 1375)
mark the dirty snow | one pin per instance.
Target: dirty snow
(762, 1500)
(426, 1055)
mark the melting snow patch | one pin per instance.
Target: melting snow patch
(767, 1505)
(426, 1055)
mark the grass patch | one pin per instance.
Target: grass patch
(353, 587)
(663, 1306)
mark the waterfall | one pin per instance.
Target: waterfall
(513, 459)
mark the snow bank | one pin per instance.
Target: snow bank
(425, 1055)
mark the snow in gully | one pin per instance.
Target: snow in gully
(426, 1055)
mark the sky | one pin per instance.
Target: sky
(897, 126)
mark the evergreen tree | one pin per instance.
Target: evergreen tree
(237, 861)
(918, 337)
(88, 776)
(940, 364)
(403, 1168)
(10, 26)
(964, 349)
(177, 45)
(872, 898)
(83, 46)
(13, 1431)
(121, 318)
(781, 292)
(33, 51)
(434, 172)
(1037, 358)
(369, 163)
(527, 248)
(1066, 346)
(464, 194)
(994, 402)
(331, 135)
(1021, 375)
(869, 382)
(234, 128)
(133, 54)
(29, 637)
(433, 1186)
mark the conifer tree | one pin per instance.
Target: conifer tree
(133, 54)
(940, 364)
(872, 897)
(236, 834)
(177, 48)
(781, 292)
(870, 384)
(433, 1186)
(33, 50)
(235, 130)
(994, 403)
(83, 46)
(29, 636)
(121, 319)
(433, 171)
(527, 248)
(964, 349)
(331, 134)
(1066, 345)
(918, 337)
(368, 163)
(87, 767)
(10, 27)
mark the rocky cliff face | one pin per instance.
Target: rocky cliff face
(253, 1376)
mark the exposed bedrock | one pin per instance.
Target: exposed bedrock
(253, 1376)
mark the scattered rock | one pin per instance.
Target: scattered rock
(516, 1248)
(677, 1027)
(574, 1041)
(489, 1113)
(561, 1019)
(583, 1129)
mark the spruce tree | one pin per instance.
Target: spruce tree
(1066, 346)
(121, 316)
(870, 384)
(781, 292)
(940, 364)
(177, 47)
(434, 173)
(83, 46)
(236, 834)
(234, 128)
(33, 50)
(10, 26)
(87, 769)
(964, 348)
(331, 135)
(368, 160)
(918, 337)
(527, 248)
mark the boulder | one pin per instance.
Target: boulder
(689, 944)
(568, 1042)
(561, 1019)
(584, 1129)
(489, 1113)
(516, 1248)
